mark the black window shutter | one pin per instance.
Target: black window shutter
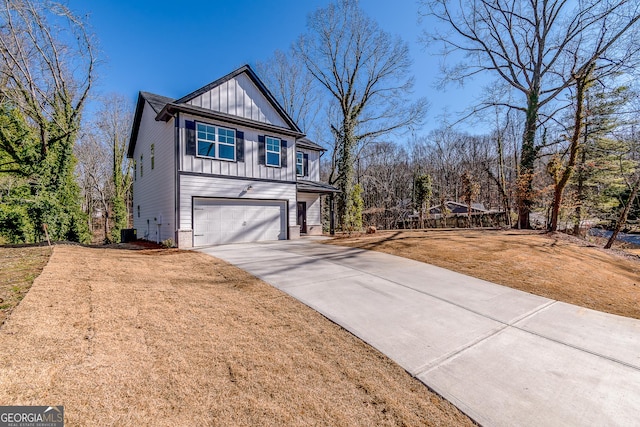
(283, 153)
(239, 146)
(261, 150)
(306, 165)
(191, 137)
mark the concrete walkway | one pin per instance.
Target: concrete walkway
(504, 357)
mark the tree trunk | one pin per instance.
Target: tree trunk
(581, 85)
(503, 181)
(580, 197)
(527, 161)
(622, 219)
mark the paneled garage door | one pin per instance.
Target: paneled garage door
(220, 221)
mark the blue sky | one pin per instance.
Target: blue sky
(172, 48)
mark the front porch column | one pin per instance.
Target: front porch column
(332, 215)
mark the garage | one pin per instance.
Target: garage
(221, 221)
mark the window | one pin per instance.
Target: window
(299, 163)
(141, 165)
(206, 140)
(153, 156)
(216, 143)
(135, 170)
(138, 211)
(273, 151)
(226, 144)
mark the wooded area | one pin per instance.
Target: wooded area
(559, 147)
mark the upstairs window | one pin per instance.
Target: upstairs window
(273, 151)
(302, 164)
(216, 142)
(226, 143)
(206, 140)
(299, 164)
(141, 165)
(153, 156)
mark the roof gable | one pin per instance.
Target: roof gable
(156, 102)
(241, 93)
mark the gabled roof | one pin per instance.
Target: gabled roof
(165, 108)
(256, 80)
(307, 143)
(157, 103)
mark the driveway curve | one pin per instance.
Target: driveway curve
(503, 356)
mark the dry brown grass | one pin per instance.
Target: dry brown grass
(18, 269)
(166, 337)
(551, 265)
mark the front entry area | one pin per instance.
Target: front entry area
(302, 217)
(222, 221)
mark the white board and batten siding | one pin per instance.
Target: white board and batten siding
(154, 191)
(314, 164)
(249, 168)
(240, 97)
(202, 187)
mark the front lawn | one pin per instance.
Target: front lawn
(169, 337)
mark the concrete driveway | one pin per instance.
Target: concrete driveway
(503, 356)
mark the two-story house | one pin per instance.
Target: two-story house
(223, 164)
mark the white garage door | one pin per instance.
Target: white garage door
(220, 221)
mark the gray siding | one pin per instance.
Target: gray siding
(154, 192)
(239, 97)
(247, 169)
(207, 186)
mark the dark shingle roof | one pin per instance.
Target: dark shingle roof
(157, 102)
(315, 187)
(307, 143)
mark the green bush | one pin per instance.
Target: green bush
(15, 225)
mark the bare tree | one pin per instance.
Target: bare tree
(47, 65)
(114, 123)
(366, 73)
(94, 176)
(537, 48)
(562, 173)
(382, 168)
(103, 166)
(293, 86)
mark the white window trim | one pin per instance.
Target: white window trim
(301, 163)
(267, 151)
(216, 143)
